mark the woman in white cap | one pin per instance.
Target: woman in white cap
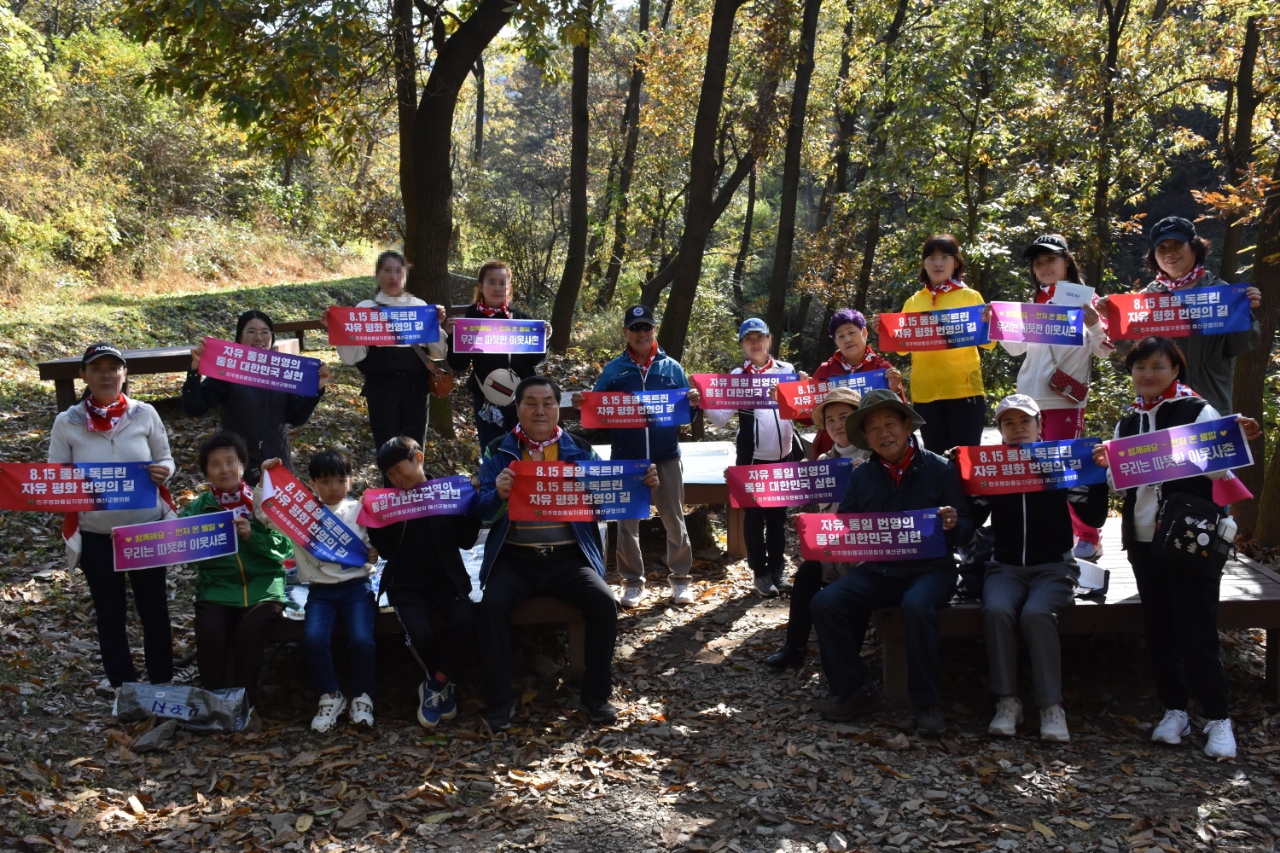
(108, 427)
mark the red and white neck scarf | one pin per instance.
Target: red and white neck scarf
(749, 369)
(1177, 389)
(946, 287)
(536, 445)
(897, 470)
(1178, 283)
(104, 419)
(240, 502)
(1045, 293)
(644, 366)
(492, 312)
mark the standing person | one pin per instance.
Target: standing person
(238, 595)
(643, 366)
(1179, 607)
(763, 436)
(1030, 580)
(946, 385)
(260, 416)
(854, 354)
(396, 378)
(106, 426)
(1057, 377)
(494, 377)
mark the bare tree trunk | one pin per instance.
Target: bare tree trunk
(744, 250)
(1239, 146)
(1117, 12)
(477, 150)
(868, 260)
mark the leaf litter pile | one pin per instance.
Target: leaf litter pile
(712, 751)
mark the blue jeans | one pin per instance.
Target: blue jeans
(842, 611)
(353, 601)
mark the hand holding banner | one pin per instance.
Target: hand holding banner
(1037, 324)
(1179, 314)
(76, 487)
(917, 331)
(242, 364)
(442, 496)
(495, 335)
(309, 523)
(579, 491)
(788, 483)
(635, 410)
(1001, 469)
(1184, 451)
(178, 540)
(798, 399)
(738, 390)
(874, 536)
(386, 325)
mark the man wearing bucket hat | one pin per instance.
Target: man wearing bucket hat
(899, 476)
(643, 366)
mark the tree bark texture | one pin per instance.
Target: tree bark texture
(744, 250)
(1239, 147)
(576, 262)
(1117, 12)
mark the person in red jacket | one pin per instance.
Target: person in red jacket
(853, 354)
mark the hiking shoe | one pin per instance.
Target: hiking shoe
(362, 710)
(839, 709)
(1053, 725)
(600, 711)
(682, 593)
(784, 658)
(779, 579)
(1222, 739)
(1087, 550)
(632, 596)
(1172, 728)
(331, 707)
(764, 586)
(929, 721)
(435, 705)
(499, 719)
(1008, 715)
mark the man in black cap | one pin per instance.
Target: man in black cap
(899, 476)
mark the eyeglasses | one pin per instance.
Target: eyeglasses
(640, 327)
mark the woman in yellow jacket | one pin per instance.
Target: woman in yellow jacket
(946, 385)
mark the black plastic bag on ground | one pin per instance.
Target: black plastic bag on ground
(194, 708)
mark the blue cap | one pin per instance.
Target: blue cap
(754, 324)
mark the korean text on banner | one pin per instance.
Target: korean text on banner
(308, 522)
(738, 390)
(871, 536)
(76, 486)
(177, 540)
(1171, 454)
(949, 328)
(1001, 469)
(579, 491)
(386, 325)
(241, 364)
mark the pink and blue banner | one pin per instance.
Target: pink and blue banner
(76, 487)
(312, 526)
(774, 484)
(1171, 454)
(738, 390)
(177, 540)
(579, 491)
(635, 410)
(798, 399)
(1180, 313)
(875, 536)
(498, 336)
(260, 368)
(1002, 469)
(386, 325)
(442, 496)
(1030, 323)
(949, 328)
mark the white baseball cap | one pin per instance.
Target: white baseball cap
(1019, 403)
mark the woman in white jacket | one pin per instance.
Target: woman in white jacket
(1057, 377)
(106, 426)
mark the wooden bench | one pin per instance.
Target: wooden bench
(1249, 598)
(301, 327)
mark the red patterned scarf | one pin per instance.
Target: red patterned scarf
(104, 419)
(1181, 282)
(239, 502)
(946, 287)
(897, 470)
(536, 445)
(748, 368)
(644, 367)
(492, 312)
(1177, 389)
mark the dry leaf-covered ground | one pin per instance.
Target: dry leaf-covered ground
(712, 752)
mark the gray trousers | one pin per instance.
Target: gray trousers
(669, 499)
(1031, 596)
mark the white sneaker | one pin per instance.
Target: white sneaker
(331, 707)
(1222, 740)
(1053, 725)
(1087, 550)
(1008, 715)
(361, 713)
(682, 593)
(1172, 728)
(632, 596)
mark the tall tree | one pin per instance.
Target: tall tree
(1238, 145)
(744, 249)
(1116, 13)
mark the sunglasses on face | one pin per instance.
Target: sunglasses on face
(640, 327)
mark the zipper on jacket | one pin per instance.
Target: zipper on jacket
(244, 581)
(1024, 529)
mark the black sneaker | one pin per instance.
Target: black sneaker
(600, 711)
(780, 581)
(499, 719)
(839, 709)
(929, 721)
(785, 658)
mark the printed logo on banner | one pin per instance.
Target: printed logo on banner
(441, 496)
(1001, 469)
(498, 336)
(386, 325)
(582, 491)
(798, 399)
(1171, 454)
(949, 328)
(878, 536)
(635, 410)
(788, 483)
(176, 540)
(76, 487)
(308, 522)
(241, 364)
(1037, 324)
(1179, 314)
(738, 390)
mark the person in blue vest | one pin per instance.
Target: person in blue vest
(643, 366)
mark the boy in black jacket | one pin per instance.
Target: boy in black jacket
(1030, 579)
(425, 580)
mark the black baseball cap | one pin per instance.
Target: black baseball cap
(1172, 228)
(100, 349)
(1055, 243)
(638, 314)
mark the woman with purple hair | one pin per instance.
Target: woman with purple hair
(853, 355)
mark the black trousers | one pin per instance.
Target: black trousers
(229, 644)
(439, 627)
(952, 423)
(806, 584)
(765, 533)
(111, 607)
(397, 406)
(1180, 617)
(566, 575)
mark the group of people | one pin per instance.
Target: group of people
(898, 439)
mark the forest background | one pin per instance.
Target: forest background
(716, 158)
